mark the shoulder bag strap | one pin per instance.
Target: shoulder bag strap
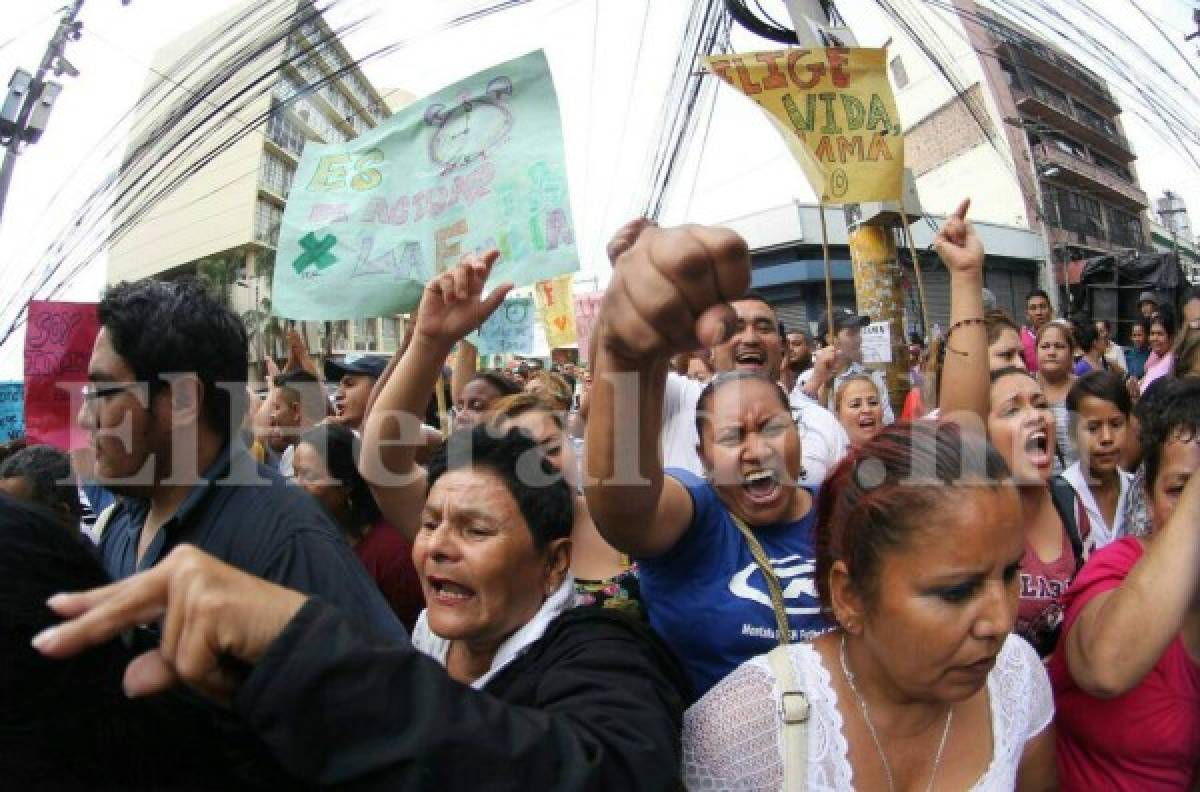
(103, 519)
(783, 631)
(793, 710)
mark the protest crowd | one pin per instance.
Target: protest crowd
(714, 552)
(710, 556)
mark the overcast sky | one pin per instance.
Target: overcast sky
(610, 92)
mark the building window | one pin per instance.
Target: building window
(1112, 167)
(899, 75)
(389, 329)
(284, 132)
(1051, 96)
(1125, 229)
(276, 175)
(1096, 121)
(267, 219)
(1010, 75)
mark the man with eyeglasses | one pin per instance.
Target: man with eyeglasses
(165, 406)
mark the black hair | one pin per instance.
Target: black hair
(1166, 318)
(48, 472)
(1103, 385)
(1001, 373)
(294, 385)
(159, 327)
(1192, 293)
(757, 296)
(1144, 323)
(338, 448)
(67, 724)
(1037, 293)
(1107, 324)
(294, 378)
(1086, 335)
(503, 385)
(1173, 414)
(11, 447)
(704, 402)
(541, 493)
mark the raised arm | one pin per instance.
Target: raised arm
(965, 372)
(450, 308)
(1120, 635)
(668, 294)
(466, 363)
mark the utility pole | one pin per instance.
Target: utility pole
(36, 90)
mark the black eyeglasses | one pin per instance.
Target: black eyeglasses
(92, 393)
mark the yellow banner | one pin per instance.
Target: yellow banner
(834, 108)
(556, 310)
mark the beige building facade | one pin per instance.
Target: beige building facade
(222, 220)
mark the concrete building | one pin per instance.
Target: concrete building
(1038, 141)
(1173, 215)
(223, 220)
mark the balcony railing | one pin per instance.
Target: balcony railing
(1099, 179)
(1069, 118)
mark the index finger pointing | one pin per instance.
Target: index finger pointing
(961, 211)
(105, 613)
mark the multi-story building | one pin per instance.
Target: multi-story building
(1173, 215)
(1036, 137)
(223, 219)
(1027, 132)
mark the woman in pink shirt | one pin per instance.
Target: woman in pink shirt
(1127, 674)
(1161, 361)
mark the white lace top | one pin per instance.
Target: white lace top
(732, 737)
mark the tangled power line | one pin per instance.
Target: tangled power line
(201, 103)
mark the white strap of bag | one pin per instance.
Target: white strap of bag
(793, 710)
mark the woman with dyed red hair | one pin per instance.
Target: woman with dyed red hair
(922, 685)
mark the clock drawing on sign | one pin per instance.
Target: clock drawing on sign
(466, 132)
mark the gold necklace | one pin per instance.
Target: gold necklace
(887, 767)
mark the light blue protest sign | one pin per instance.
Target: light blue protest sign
(509, 330)
(12, 410)
(477, 165)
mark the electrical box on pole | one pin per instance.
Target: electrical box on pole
(18, 89)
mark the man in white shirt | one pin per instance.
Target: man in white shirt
(833, 364)
(756, 346)
(295, 404)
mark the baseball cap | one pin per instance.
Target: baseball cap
(370, 365)
(1147, 296)
(842, 319)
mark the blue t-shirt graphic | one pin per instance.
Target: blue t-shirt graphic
(707, 598)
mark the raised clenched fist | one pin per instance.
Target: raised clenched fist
(670, 289)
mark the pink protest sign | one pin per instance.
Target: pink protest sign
(58, 347)
(587, 308)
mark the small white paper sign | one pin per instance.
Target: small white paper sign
(877, 343)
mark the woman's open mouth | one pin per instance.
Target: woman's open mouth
(762, 487)
(448, 592)
(1037, 449)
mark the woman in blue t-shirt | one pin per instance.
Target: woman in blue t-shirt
(708, 592)
(726, 560)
